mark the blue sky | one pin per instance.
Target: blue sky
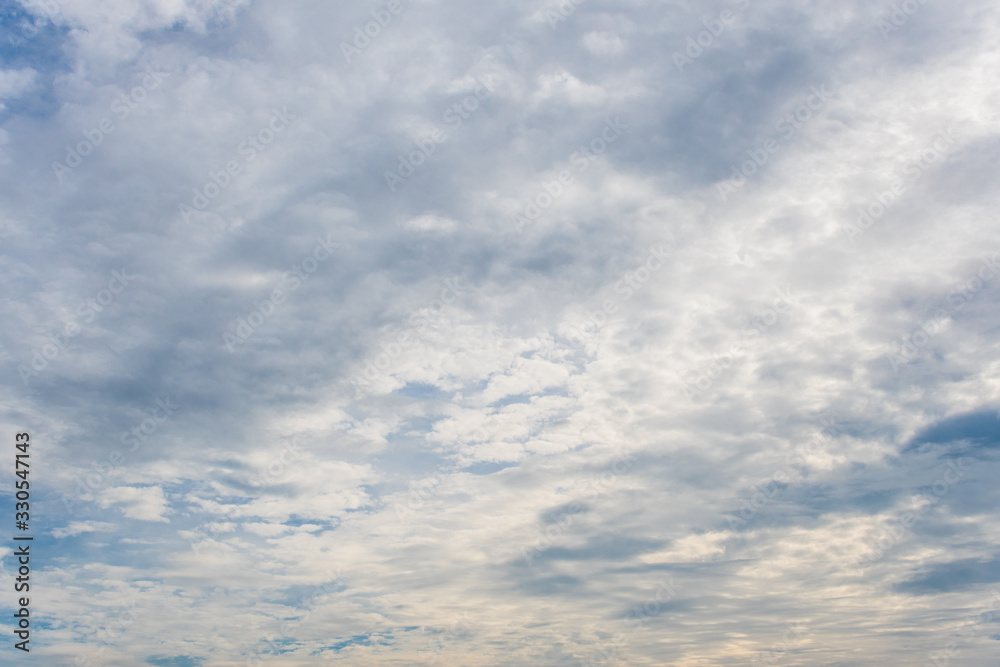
(622, 332)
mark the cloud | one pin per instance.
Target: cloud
(954, 575)
(79, 527)
(981, 426)
(143, 503)
(15, 83)
(603, 43)
(623, 350)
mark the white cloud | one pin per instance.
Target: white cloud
(16, 82)
(78, 527)
(603, 43)
(146, 503)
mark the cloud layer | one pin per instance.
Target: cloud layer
(423, 332)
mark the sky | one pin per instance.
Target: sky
(419, 332)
